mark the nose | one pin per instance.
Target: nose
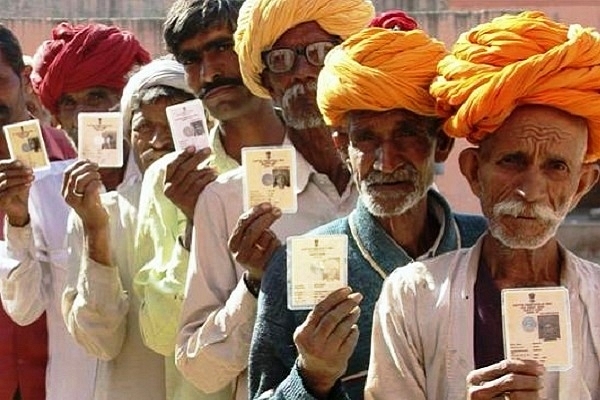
(387, 157)
(210, 69)
(532, 186)
(303, 70)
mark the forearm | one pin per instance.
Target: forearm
(97, 242)
(95, 310)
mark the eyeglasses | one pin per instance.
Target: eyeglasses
(283, 60)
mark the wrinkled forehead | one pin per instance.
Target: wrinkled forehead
(306, 32)
(539, 128)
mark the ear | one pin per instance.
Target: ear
(469, 163)
(341, 143)
(588, 177)
(26, 80)
(265, 80)
(443, 146)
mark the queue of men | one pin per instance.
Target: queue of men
(154, 281)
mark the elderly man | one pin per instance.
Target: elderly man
(200, 35)
(532, 106)
(374, 88)
(220, 299)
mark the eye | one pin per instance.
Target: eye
(96, 98)
(189, 57)
(511, 160)
(224, 46)
(558, 165)
(67, 102)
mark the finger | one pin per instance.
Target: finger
(77, 178)
(18, 180)
(186, 161)
(194, 179)
(257, 256)
(330, 321)
(343, 329)
(243, 222)
(83, 180)
(326, 305)
(504, 367)
(68, 180)
(12, 164)
(349, 344)
(514, 384)
(258, 228)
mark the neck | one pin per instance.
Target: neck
(260, 126)
(415, 230)
(522, 267)
(316, 146)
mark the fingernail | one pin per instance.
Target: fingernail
(356, 297)
(541, 370)
(190, 149)
(265, 206)
(277, 212)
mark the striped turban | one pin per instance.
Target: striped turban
(379, 69)
(262, 22)
(516, 60)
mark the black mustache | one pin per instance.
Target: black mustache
(218, 83)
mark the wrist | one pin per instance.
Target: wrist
(18, 220)
(317, 384)
(252, 284)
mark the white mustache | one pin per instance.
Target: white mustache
(299, 89)
(516, 209)
(408, 173)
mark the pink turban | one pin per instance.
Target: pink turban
(83, 56)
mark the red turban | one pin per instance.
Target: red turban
(395, 20)
(83, 56)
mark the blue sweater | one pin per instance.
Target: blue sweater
(272, 368)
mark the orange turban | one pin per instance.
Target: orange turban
(83, 56)
(262, 22)
(379, 69)
(515, 60)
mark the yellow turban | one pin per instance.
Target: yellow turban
(515, 60)
(262, 22)
(379, 69)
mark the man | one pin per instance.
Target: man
(23, 350)
(531, 105)
(220, 297)
(66, 70)
(374, 89)
(200, 35)
(98, 305)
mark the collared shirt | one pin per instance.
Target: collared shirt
(424, 324)
(101, 312)
(372, 255)
(37, 283)
(160, 282)
(218, 311)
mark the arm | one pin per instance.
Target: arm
(276, 370)
(94, 304)
(396, 366)
(163, 227)
(218, 310)
(22, 293)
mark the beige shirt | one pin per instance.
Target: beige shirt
(422, 340)
(218, 311)
(101, 312)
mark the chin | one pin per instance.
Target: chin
(520, 240)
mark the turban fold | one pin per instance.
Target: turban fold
(379, 69)
(161, 72)
(262, 22)
(83, 56)
(516, 60)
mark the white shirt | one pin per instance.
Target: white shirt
(101, 311)
(218, 311)
(422, 340)
(36, 285)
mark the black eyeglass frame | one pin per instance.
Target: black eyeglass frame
(296, 51)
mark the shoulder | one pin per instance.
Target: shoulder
(471, 227)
